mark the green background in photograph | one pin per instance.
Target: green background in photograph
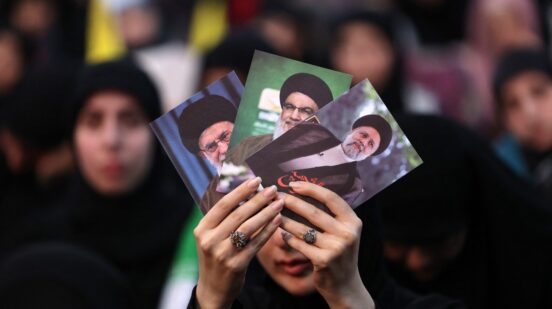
(270, 71)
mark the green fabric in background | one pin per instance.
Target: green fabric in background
(270, 71)
(186, 263)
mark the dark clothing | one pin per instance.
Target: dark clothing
(505, 260)
(138, 233)
(24, 202)
(274, 297)
(54, 275)
(540, 166)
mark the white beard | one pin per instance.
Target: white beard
(218, 166)
(279, 130)
(351, 151)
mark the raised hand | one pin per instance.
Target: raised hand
(333, 250)
(222, 261)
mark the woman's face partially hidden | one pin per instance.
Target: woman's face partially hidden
(286, 266)
(113, 143)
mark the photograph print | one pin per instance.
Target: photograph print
(353, 146)
(196, 134)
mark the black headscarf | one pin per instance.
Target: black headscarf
(139, 231)
(36, 113)
(392, 92)
(517, 61)
(505, 262)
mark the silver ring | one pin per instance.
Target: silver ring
(238, 239)
(310, 236)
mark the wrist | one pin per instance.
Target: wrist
(352, 295)
(210, 300)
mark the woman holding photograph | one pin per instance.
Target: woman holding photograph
(295, 266)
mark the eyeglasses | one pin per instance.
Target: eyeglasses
(224, 137)
(306, 111)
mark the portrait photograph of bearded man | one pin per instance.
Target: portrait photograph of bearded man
(335, 153)
(281, 92)
(196, 133)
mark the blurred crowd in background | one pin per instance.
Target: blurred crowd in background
(470, 83)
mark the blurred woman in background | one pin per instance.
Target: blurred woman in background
(463, 225)
(365, 44)
(126, 202)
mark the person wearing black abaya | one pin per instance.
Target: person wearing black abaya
(36, 161)
(522, 89)
(463, 225)
(125, 203)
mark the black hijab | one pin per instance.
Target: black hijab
(505, 261)
(139, 231)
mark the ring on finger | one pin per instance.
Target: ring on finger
(238, 239)
(310, 236)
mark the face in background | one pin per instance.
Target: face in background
(287, 267)
(527, 109)
(33, 17)
(18, 157)
(283, 32)
(214, 141)
(11, 61)
(425, 262)
(295, 109)
(114, 145)
(361, 143)
(364, 52)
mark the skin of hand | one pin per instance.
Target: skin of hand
(222, 266)
(334, 254)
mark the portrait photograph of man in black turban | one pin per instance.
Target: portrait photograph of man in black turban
(196, 133)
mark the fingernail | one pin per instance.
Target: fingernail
(270, 191)
(295, 184)
(286, 236)
(254, 183)
(278, 205)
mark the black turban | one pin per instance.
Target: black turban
(309, 85)
(381, 125)
(200, 115)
